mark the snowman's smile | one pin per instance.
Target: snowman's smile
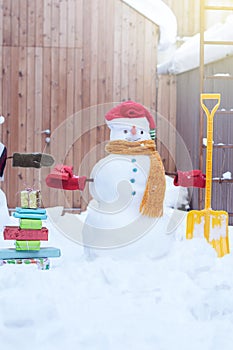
(132, 140)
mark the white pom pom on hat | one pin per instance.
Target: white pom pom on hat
(2, 119)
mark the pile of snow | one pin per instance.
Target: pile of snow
(187, 56)
(227, 175)
(158, 12)
(183, 301)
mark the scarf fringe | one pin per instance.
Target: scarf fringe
(153, 198)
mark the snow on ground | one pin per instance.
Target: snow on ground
(182, 301)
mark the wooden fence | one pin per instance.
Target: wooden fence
(166, 121)
(63, 64)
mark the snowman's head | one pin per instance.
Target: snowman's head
(130, 121)
(129, 131)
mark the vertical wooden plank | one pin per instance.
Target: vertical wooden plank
(15, 23)
(78, 94)
(163, 112)
(109, 30)
(71, 23)
(125, 53)
(38, 100)
(101, 54)
(54, 110)
(63, 23)
(13, 125)
(132, 54)
(86, 88)
(172, 125)
(1, 23)
(46, 120)
(94, 39)
(147, 65)
(94, 42)
(39, 22)
(6, 111)
(55, 23)
(102, 66)
(77, 146)
(31, 23)
(22, 117)
(62, 95)
(6, 96)
(47, 23)
(154, 53)
(140, 58)
(86, 53)
(30, 173)
(117, 51)
(70, 118)
(7, 37)
(23, 8)
(78, 37)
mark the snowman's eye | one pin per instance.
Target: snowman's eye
(142, 132)
(125, 131)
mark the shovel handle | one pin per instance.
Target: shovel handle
(210, 97)
(209, 150)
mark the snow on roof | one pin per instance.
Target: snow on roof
(187, 56)
(158, 12)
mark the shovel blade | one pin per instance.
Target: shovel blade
(213, 225)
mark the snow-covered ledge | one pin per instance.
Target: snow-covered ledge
(187, 56)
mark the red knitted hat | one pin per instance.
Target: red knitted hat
(130, 109)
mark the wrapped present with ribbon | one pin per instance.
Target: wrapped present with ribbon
(27, 245)
(24, 215)
(30, 211)
(16, 233)
(30, 224)
(30, 198)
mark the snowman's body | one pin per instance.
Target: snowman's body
(114, 224)
(118, 188)
(4, 213)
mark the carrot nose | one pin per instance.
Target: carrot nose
(133, 130)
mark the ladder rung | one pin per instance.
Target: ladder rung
(218, 8)
(219, 146)
(212, 42)
(220, 180)
(229, 77)
(224, 112)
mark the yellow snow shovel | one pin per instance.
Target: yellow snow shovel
(214, 223)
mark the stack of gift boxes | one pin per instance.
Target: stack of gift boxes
(29, 234)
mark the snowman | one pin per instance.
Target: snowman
(126, 216)
(4, 213)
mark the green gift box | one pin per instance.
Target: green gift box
(27, 245)
(30, 199)
(30, 224)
